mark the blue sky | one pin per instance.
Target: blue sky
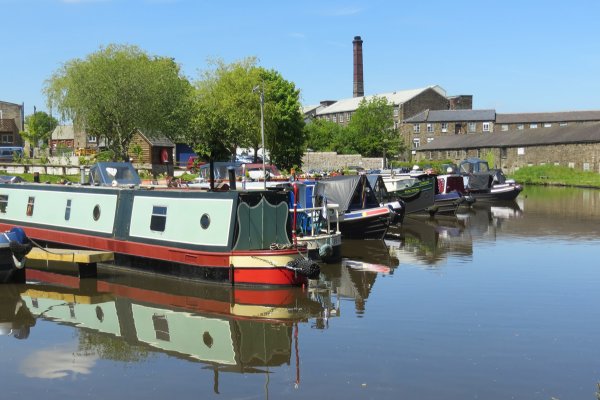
(513, 56)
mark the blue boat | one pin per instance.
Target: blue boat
(14, 246)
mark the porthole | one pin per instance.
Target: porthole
(204, 221)
(96, 212)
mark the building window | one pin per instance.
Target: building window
(416, 128)
(520, 127)
(533, 126)
(430, 128)
(341, 118)
(416, 143)
(334, 118)
(429, 139)
(92, 139)
(521, 151)
(158, 221)
(472, 126)
(395, 112)
(349, 117)
(586, 166)
(547, 125)
(503, 152)
(504, 127)
(444, 127)
(430, 155)
(486, 126)
(6, 138)
(563, 124)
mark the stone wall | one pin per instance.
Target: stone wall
(12, 111)
(581, 156)
(330, 160)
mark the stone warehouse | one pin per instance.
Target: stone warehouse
(574, 146)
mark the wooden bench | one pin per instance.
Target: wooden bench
(86, 260)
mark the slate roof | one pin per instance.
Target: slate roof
(563, 116)
(157, 140)
(518, 138)
(396, 98)
(8, 125)
(453, 116)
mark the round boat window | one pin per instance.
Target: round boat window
(96, 212)
(204, 221)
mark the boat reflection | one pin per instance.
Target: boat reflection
(353, 278)
(430, 241)
(127, 317)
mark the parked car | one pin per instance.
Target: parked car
(7, 154)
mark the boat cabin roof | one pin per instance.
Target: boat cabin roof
(473, 165)
(113, 174)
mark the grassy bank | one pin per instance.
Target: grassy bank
(553, 175)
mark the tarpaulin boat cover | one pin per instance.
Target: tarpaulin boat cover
(351, 192)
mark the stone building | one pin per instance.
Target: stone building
(522, 121)
(12, 120)
(406, 103)
(574, 146)
(427, 125)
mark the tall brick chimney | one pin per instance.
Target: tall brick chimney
(359, 86)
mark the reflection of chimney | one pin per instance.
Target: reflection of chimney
(359, 86)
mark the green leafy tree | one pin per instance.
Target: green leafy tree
(119, 90)
(284, 122)
(227, 113)
(371, 131)
(323, 135)
(39, 127)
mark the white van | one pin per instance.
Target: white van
(7, 154)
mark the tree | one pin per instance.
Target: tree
(119, 90)
(284, 122)
(39, 127)
(227, 113)
(371, 131)
(323, 135)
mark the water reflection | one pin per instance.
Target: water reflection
(124, 317)
(429, 241)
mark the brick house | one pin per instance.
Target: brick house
(12, 122)
(575, 146)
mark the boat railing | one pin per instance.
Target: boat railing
(313, 217)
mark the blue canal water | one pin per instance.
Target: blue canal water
(499, 302)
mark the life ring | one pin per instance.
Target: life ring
(164, 156)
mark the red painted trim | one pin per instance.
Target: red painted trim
(264, 276)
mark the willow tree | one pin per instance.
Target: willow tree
(119, 90)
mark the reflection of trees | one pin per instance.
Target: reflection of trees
(110, 347)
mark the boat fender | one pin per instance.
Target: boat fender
(325, 251)
(305, 267)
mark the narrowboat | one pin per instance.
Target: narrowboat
(227, 236)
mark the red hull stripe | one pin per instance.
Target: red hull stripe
(165, 253)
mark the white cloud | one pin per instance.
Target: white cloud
(298, 35)
(343, 11)
(57, 363)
